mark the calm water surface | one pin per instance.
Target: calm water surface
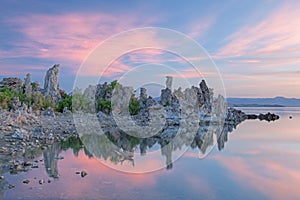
(261, 160)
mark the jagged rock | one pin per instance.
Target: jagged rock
(169, 82)
(166, 94)
(14, 83)
(27, 85)
(90, 92)
(143, 98)
(166, 97)
(206, 97)
(220, 109)
(51, 86)
(102, 91)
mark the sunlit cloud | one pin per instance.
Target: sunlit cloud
(282, 180)
(276, 35)
(198, 28)
(65, 38)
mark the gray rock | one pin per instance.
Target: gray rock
(143, 97)
(102, 91)
(27, 85)
(169, 82)
(51, 86)
(166, 97)
(14, 83)
(90, 92)
(205, 96)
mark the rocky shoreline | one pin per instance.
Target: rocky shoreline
(33, 118)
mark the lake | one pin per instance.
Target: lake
(260, 160)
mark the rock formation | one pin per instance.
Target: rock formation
(51, 86)
(14, 83)
(169, 82)
(205, 96)
(90, 92)
(143, 97)
(27, 85)
(166, 94)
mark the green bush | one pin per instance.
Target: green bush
(48, 102)
(134, 106)
(65, 102)
(167, 103)
(111, 87)
(38, 101)
(7, 94)
(103, 105)
(80, 103)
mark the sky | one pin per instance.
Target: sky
(255, 44)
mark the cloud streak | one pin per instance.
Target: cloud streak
(275, 38)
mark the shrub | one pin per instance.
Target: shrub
(38, 101)
(65, 102)
(167, 103)
(134, 106)
(80, 103)
(48, 102)
(103, 105)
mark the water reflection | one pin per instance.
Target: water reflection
(118, 147)
(261, 158)
(50, 160)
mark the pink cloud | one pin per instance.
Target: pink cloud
(282, 180)
(199, 28)
(276, 35)
(65, 38)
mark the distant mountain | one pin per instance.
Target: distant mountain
(264, 102)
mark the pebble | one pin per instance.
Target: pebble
(41, 182)
(1, 177)
(3, 150)
(83, 174)
(11, 186)
(34, 166)
(77, 172)
(26, 181)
